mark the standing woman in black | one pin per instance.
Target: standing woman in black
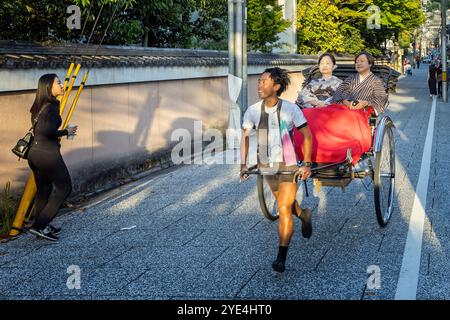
(432, 78)
(44, 157)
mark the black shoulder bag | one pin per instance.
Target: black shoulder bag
(22, 146)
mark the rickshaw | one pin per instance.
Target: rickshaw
(378, 163)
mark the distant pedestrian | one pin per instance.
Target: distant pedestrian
(432, 79)
(408, 70)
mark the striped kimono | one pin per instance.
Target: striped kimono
(370, 89)
(336, 128)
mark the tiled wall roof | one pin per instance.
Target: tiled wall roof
(14, 55)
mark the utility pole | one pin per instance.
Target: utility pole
(237, 65)
(444, 48)
(244, 95)
(237, 46)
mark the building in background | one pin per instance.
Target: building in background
(289, 36)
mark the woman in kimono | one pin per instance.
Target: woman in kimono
(344, 124)
(318, 92)
(364, 88)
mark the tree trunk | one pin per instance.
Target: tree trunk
(146, 23)
(145, 40)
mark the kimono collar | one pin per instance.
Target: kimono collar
(366, 77)
(323, 79)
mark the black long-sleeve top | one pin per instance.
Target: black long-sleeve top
(47, 125)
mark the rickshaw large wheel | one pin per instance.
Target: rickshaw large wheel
(384, 174)
(267, 200)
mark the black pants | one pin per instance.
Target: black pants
(432, 86)
(50, 172)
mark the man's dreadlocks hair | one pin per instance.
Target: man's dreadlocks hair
(279, 76)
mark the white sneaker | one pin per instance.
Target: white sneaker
(45, 233)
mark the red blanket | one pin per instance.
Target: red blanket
(335, 128)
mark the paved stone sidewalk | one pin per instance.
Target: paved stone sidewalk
(199, 233)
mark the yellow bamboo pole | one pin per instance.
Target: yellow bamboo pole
(69, 72)
(75, 101)
(25, 202)
(67, 93)
(66, 80)
(30, 187)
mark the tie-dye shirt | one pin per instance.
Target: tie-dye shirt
(278, 132)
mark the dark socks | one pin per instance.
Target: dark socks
(282, 253)
(278, 264)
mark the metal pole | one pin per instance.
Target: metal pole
(244, 105)
(238, 39)
(231, 37)
(239, 50)
(444, 48)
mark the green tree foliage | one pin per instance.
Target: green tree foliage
(184, 23)
(265, 22)
(204, 23)
(210, 23)
(340, 25)
(331, 25)
(318, 27)
(323, 25)
(156, 23)
(45, 20)
(124, 29)
(166, 23)
(399, 18)
(435, 5)
(34, 20)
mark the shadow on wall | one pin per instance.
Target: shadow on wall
(191, 135)
(116, 154)
(113, 155)
(105, 164)
(103, 169)
(108, 165)
(146, 118)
